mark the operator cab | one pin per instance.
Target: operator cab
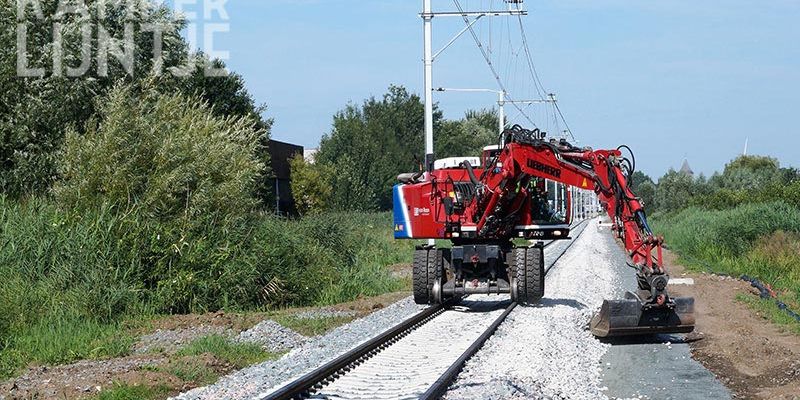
(550, 215)
(490, 153)
(546, 215)
(550, 201)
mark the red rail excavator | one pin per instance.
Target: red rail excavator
(483, 204)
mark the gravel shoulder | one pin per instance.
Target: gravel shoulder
(546, 352)
(258, 379)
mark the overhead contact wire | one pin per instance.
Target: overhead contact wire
(489, 62)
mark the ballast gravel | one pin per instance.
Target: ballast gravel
(272, 337)
(170, 341)
(406, 370)
(249, 383)
(543, 352)
(546, 352)
(323, 313)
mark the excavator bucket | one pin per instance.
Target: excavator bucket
(632, 317)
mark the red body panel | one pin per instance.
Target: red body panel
(506, 193)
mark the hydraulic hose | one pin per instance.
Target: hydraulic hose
(633, 157)
(643, 221)
(471, 173)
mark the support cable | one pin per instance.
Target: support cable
(490, 64)
(535, 75)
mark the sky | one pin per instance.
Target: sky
(674, 80)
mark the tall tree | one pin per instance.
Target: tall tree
(749, 173)
(644, 187)
(36, 111)
(675, 191)
(370, 144)
(638, 178)
(466, 137)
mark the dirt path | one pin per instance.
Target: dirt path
(751, 356)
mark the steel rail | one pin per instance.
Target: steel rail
(565, 249)
(440, 387)
(309, 383)
(303, 386)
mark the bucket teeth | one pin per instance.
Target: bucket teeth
(631, 317)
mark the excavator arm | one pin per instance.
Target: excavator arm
(607, 172)
(481, 205)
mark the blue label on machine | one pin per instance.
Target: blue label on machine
(402, 228)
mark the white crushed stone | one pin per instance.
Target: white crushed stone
(250, 382)
(172, 340)
(323, 313)
(271, 336)
(546, 352)
(543, 352)
(408, 368)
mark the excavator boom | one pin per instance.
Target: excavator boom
(480, 209)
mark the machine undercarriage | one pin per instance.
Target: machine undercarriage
(487, 268)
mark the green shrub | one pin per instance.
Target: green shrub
(775, 258)
(723, 199)
(726, 233)
(181, 183)
(327, 258)
(71, 279)
(311, 186)
(164, 157)
(759, 240)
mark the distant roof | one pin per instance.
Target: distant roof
(310, 155)
(280, 154)
(283, 144)
(686, 169)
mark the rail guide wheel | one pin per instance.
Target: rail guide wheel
(528, 275)
(428, 275)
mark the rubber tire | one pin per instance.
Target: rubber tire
(421, 282)
(530, 275)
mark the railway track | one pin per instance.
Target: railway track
(415, 359)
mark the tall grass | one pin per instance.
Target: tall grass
(121, 391)
(239, 355)
(760, 240)
(70, 280)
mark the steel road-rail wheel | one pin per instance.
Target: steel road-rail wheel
(440, 268)
(511, 270)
